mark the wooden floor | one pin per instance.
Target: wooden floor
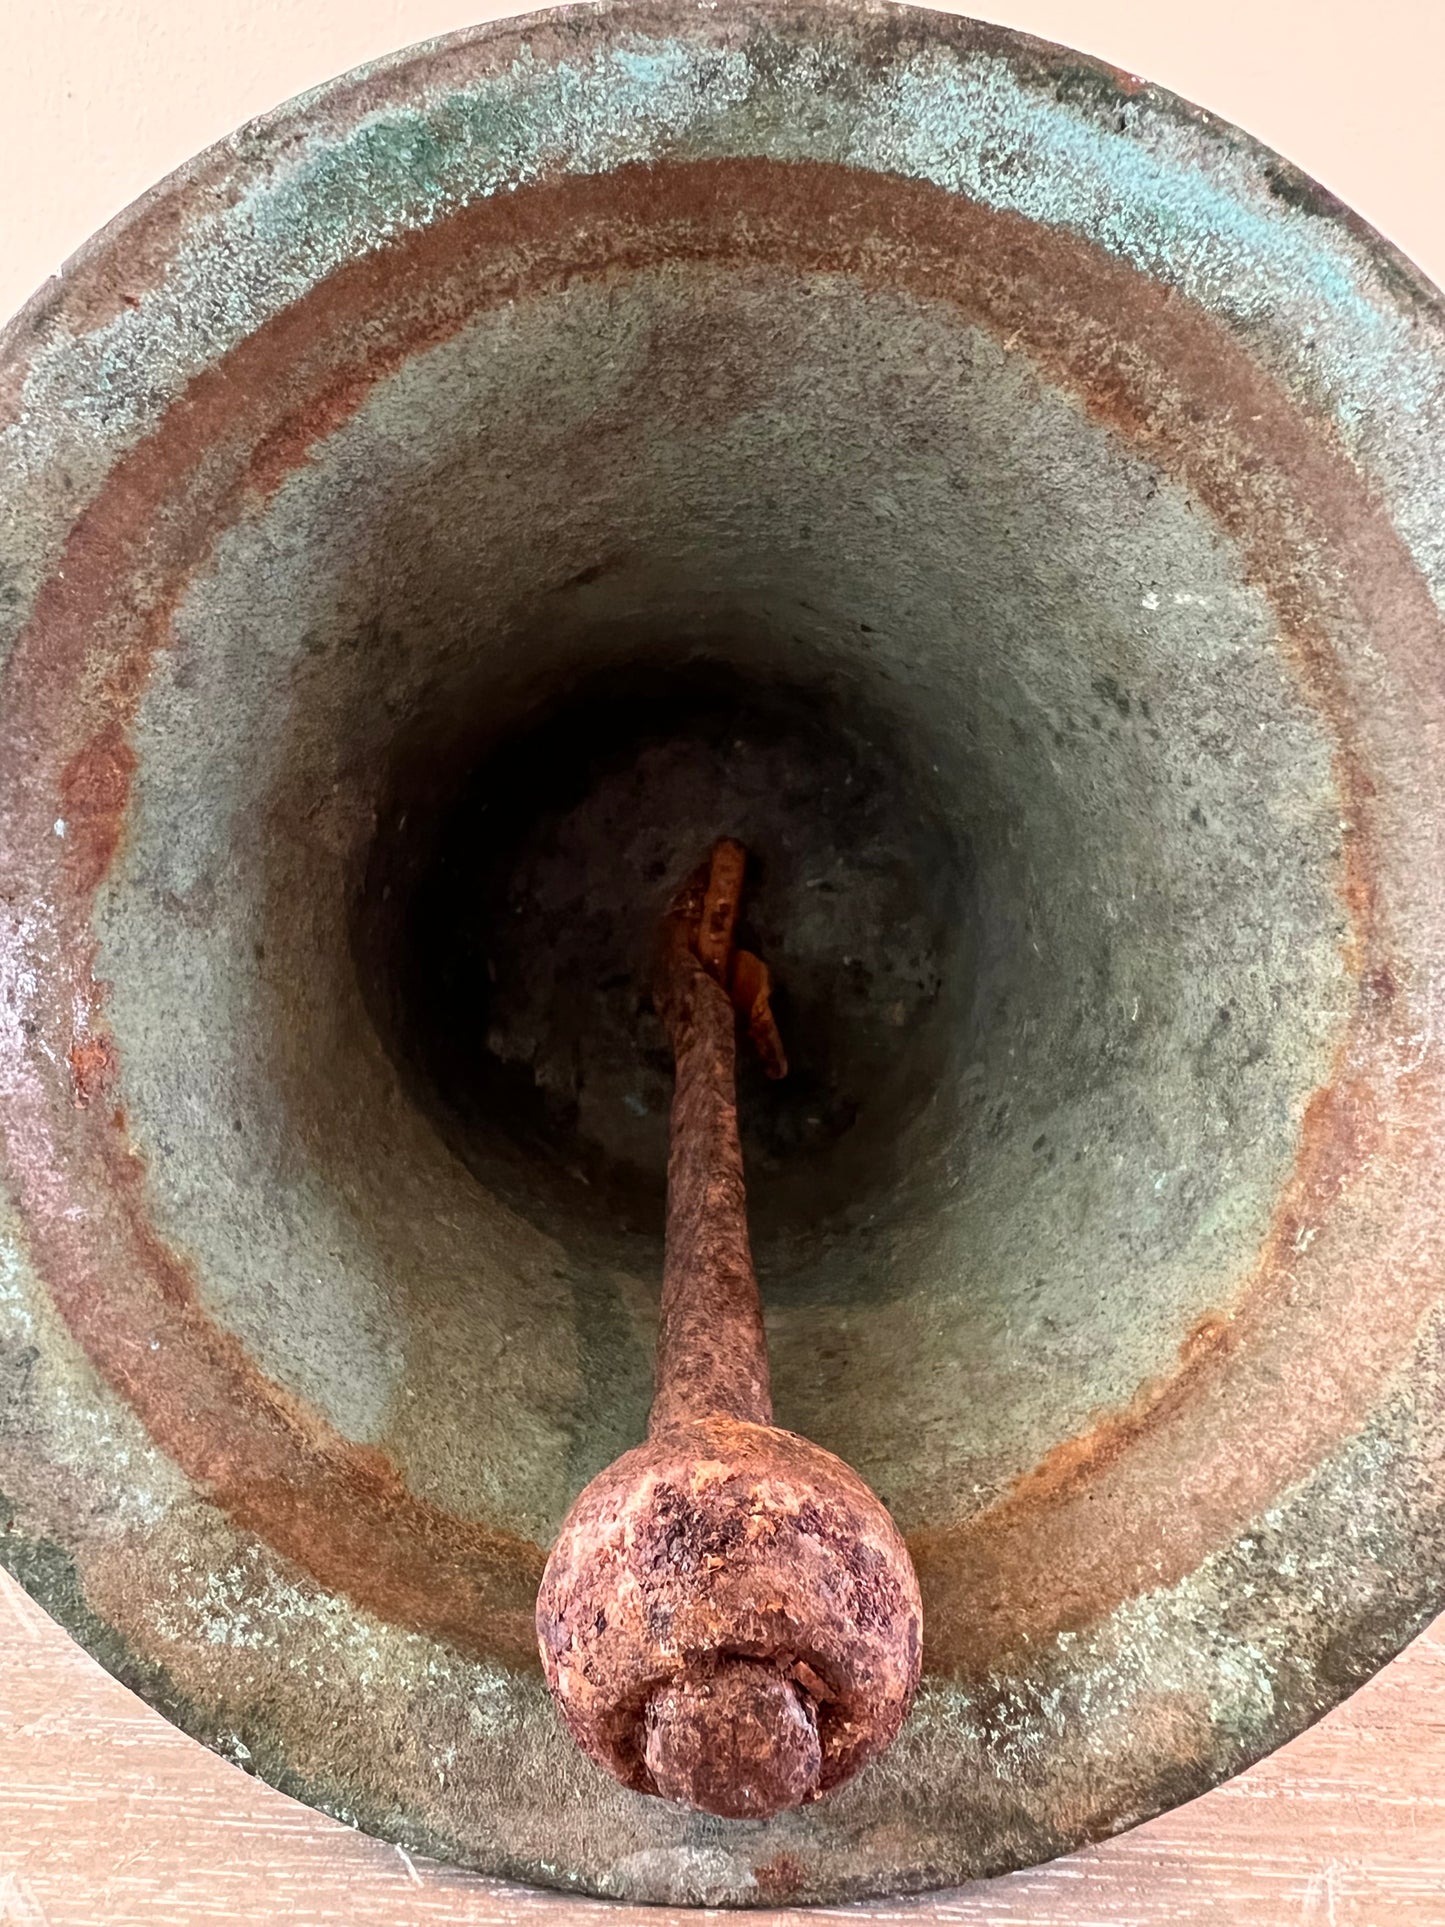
(110, 1817)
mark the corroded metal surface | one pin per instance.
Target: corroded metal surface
(1128, 440)
(718, 1541)
(729, 1617)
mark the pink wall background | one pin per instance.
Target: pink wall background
(100, 98)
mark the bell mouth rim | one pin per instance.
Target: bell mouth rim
(1376, 1109)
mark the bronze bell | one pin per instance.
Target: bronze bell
(1005, 500)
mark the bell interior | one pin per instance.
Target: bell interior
(658, 553)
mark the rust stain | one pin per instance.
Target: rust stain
(1339, 1134)
(289, 444)
(1206, 1335)
(93, 1068)
(274, 1465)
(1141, 1498)
(1040, 1559)
(94, 792)
(1074, 1460)
(1382, 985)
(781, 1877)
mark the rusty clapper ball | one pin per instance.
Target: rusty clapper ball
(729, 1618)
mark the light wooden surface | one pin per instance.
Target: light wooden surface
(111, 1818)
